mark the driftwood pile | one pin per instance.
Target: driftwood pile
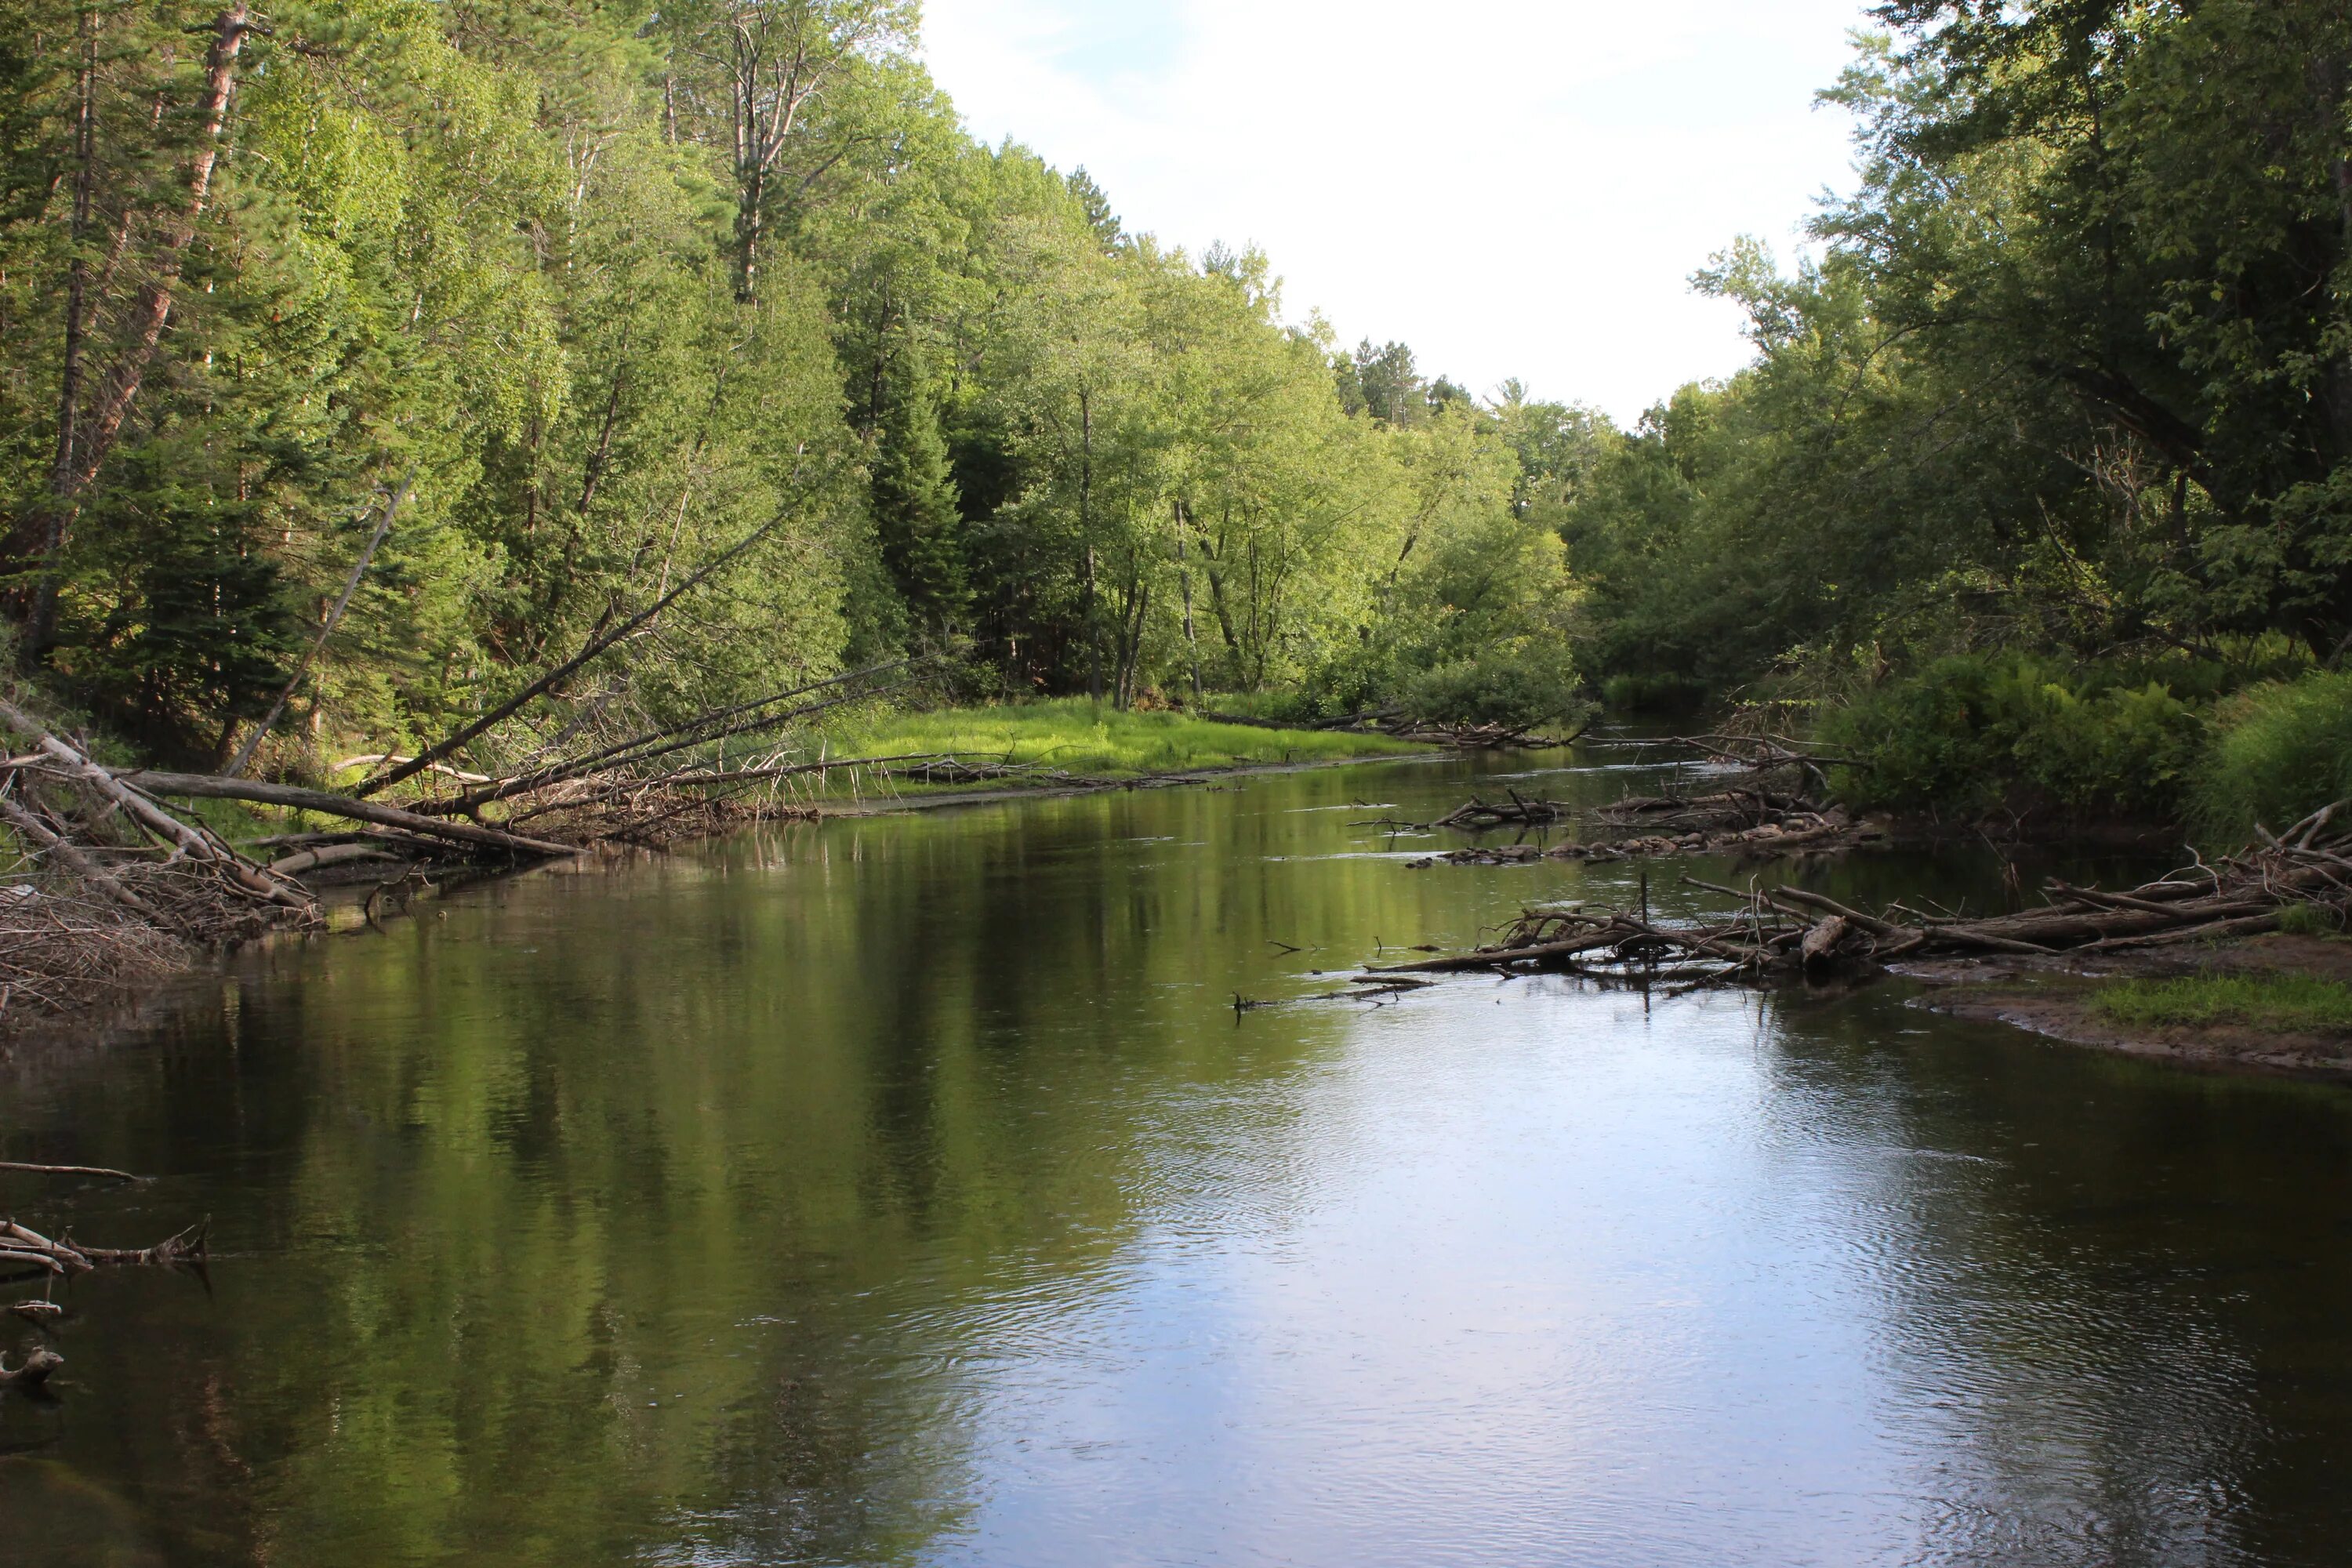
(1785, 931)
(1752, 823)
(1400, 727)
(112, 888)
(1476, 816)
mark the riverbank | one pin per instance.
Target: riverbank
(2270, 1003)
(1060, 743)
(91, 917)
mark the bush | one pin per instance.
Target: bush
(2280, 751)
(1523, 690)
(1979, 732)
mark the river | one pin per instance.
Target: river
(909, 1190)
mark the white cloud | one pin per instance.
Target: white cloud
(1515, 188)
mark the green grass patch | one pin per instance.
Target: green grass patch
(2298, 1002)
(1075, 736)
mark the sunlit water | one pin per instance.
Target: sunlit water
(910, 1190)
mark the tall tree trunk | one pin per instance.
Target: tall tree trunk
(748, 218)
(155, 307)
(1185, 579)
(1086, 533)
(83, 444)
(42, 537)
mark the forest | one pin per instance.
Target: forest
(365, 363)
(522, 370)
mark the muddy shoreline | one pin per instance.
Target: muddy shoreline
(2057, 998)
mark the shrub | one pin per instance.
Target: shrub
(2280, 751)
(1523, 690)
(1979, 732)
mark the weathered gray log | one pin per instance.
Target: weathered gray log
(205, 786)
(193, 842)
(303, 860)
(74, 860)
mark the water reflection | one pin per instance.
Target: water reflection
(911, 1192)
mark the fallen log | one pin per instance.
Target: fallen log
(205, 787)
(1821, 943)
(74, 860)
(326, 855)
(1787, 931)
(186, 838)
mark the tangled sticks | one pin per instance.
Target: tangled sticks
(1784, 932)
(109, 887)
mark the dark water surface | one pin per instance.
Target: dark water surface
(909, 1191)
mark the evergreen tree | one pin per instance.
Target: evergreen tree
(914, 498)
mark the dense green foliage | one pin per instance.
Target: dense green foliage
(2067, 383)
(2045, 450)
(2282, 749)
(1977, 733)
(600, 291)
(2072, 370)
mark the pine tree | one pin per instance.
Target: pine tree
(914, 498)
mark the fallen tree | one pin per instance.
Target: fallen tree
(205, 787)
(111, 889)
(1782, 931)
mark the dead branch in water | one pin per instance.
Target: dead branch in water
(21, 1244)
(1477, 816)
(1784, 932)
(29, 1168)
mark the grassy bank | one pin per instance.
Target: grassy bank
(1085, 739)
(2301, 1003)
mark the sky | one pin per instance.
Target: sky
(1514, 187)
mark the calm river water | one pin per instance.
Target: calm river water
(909, 1191)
